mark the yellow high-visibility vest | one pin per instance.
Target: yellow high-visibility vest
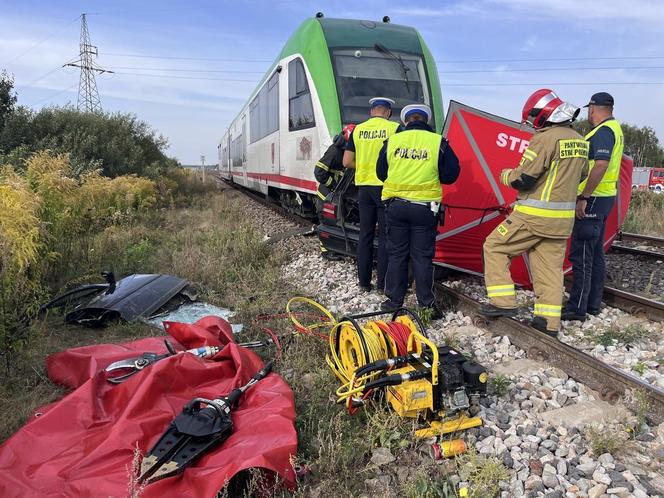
(412, 157)
(607, 187)
(369, 138)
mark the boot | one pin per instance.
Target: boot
(539, 323)
(491, 311)
(573, 316)
(388, 305)
(332, 256)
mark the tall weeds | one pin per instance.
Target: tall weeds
(45, 214)
(646, 214)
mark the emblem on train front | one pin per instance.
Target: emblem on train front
(304, 149)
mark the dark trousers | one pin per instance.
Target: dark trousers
(372, 211)
(587, 257)
(411, 234)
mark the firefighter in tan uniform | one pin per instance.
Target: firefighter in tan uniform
(547, 179)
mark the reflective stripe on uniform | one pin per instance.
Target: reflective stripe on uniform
(548, 310)
(505, 177)
(500, 290)
(554, 205)
(329, 181)
(544, 213)
(405, 187)
(529, 154)
(550, 180)
(322, 166)
(319, 194)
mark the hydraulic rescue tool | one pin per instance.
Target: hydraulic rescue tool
(122, 370)
(194, 432)
(419, 379)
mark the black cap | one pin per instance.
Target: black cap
(601, 98)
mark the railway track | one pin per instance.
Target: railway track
(618, 298)
(644, 239)
(611, 383)
(634, 304)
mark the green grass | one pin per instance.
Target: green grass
(207, 243)
(603, 441)
(645, 214)
(499, 385)
(628, 334)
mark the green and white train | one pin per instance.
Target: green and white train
(323, 79)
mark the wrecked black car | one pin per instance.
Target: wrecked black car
(130, 298)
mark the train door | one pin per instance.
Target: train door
(243, 148)
(273, 98)
(298, 124)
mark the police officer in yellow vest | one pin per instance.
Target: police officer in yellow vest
(413, 163)
(595, 201)
(362, 153)
(547, 179)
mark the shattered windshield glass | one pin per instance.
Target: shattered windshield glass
(367, 73)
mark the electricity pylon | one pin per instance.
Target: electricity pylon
(88, 95)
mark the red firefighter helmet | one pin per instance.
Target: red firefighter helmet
(347, 130)
(545, 106)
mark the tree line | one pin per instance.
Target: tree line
(115, 143)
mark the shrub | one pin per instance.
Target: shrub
(47, 214)
(20, 245)
(645, 213)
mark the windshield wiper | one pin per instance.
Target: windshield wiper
(404, 68)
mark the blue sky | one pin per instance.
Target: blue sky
(609, 45)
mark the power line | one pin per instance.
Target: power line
(444, 85)
(549, 59)
(32, 83)
(188, 70)
(469, 71)
(537, 70)
(53, 95)
(141, 56)
(48, 37)
(171, 77)
(459, 61)
(549, 84)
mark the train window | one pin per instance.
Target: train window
(237, 151)
(398, 76)
(300, 108)
(264, 110)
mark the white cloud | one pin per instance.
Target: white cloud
(591, 12)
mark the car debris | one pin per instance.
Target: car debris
(130, 298)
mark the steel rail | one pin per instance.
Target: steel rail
(611, 383)
(261, 199)
(636, 237)
(634, 250)
(634, 304)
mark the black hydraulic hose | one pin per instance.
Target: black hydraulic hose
(397, 361)
(396, 379)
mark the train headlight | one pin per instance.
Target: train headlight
(358, 53)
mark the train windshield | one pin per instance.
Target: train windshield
(378, 72)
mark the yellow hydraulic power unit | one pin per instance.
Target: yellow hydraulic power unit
(435, 383)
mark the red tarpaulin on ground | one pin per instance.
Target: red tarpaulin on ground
(477, 202)
(83, 445)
